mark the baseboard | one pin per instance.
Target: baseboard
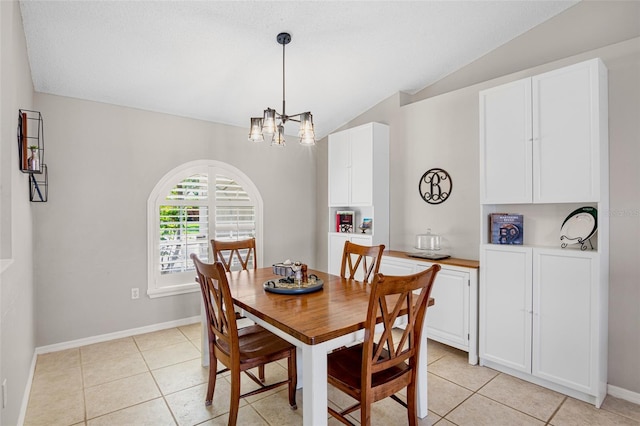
(117, 335)
(27, 391)
(625, 394)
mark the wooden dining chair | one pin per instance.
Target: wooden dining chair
(378, 367)
(366, 258)
(238, 349)
(244, 251)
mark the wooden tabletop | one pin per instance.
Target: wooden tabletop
(454, 261)
(338, 309)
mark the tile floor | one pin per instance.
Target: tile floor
(156, 379)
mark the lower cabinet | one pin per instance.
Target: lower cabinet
(452, 320)
(336, 247)
(543, 317)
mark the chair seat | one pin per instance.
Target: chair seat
(344, 366)
(256, 343)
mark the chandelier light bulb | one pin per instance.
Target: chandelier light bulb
(269, 122)
(255, 133)
(278, 137)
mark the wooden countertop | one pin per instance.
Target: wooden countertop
(464, 263)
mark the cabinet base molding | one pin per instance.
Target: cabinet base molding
(588, 398)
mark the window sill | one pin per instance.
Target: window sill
(173, 290)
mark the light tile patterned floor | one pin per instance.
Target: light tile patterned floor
(156, 379)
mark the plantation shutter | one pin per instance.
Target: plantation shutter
(184, 220)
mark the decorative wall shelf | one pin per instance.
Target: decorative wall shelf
(31, 153)
(39, 186)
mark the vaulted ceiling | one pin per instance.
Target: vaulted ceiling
(220, 61)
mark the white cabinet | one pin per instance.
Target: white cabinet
(567, 291)
(336, 247)
(358, 173)
(453, 319)
(358, 165)
(544, 153)
(505, 306)
(393, 266)
(541, 314)
(540, 137)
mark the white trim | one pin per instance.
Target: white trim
(116, 335)
(165, 184)
(88, 341)
(173, 290)
(27, 391)
(625, 394)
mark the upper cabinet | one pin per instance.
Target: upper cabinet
(543, 138)
(358, 165)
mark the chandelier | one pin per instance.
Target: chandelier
(267, 126)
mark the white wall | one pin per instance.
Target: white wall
(431, 131)
(17, 323)
(91, 236)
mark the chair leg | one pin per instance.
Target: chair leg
(293, 379)
(234, 402)
(412, 412)
(261, 373)
(365, 413)
(213, 373)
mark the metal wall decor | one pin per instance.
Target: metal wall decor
(435, 186)
(31, 154)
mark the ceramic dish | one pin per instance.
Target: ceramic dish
(579, 226)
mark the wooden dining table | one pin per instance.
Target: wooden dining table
(316, 323)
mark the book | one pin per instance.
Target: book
(506, 228)
(345, 221)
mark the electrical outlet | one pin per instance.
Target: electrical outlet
(135, 293)
(4, 393)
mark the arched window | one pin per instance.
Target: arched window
(192, 204)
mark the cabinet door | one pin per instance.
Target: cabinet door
(339, 157)
(505, 306)
(390, 266)
(361, 165)
(336, 247)
(565, 331)
(448, 319)
(566, 135)
(505, 143)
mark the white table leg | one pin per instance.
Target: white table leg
(299, 367)
(314, 394)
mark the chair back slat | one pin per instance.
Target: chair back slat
(363, 259)
(392, 297)
(244, 251)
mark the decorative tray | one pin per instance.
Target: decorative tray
(284, 286)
